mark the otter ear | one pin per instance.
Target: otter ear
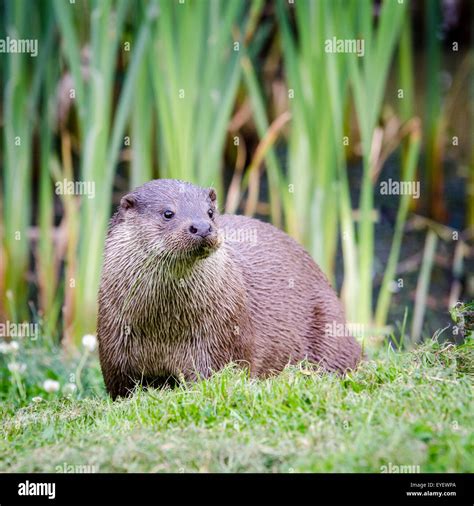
(128, 201)
(212, 194)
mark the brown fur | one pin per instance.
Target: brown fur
(173, 304)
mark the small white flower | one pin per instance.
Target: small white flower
(51, 386)
(69, 388)
(89, 341)
(10, 347)
(14, 345)
(38, 398)
(18, 367)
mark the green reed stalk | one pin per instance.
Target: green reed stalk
(406, 83)
(47, 261)
(141, 167)
(337, 74)
(195, 69)
(278, 189)
(313, 158)
(423, 285)
(369, 76)
(21, 75)
(408, 174)
(405, 68)
(102, 137)
(17, 161)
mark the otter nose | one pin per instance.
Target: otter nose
(201, 228)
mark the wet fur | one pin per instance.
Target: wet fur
(171, 308)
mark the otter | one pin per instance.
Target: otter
(184, 291)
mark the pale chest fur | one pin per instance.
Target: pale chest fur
(184, 321)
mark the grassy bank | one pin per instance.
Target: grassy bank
(399, 409)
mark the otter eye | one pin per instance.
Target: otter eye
(210, 213)
(168, 214)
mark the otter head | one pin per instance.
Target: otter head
(174, 219)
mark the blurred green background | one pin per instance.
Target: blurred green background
(248, 96)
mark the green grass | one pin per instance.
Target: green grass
(404, 408)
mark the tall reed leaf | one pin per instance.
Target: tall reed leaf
(368, 76)
(21, 79)
(102, 134)
(195, 69)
